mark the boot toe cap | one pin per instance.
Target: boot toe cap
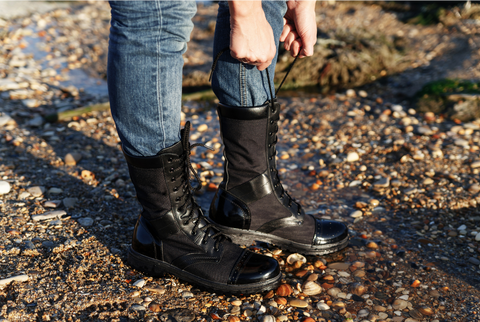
(254, 268)
(329, 232)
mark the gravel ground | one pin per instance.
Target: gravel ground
(406, 184)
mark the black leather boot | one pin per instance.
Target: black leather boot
(173, 236)
(251, 204)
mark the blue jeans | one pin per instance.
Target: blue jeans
(147, 40)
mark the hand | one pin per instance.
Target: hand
(300, 28)
(251, 36)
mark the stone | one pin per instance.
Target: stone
(474, 261)
(49, 215)
(322, 306)
(36, 191)
(18, 278)
(37, 121)
(4, 187)
(55, 191)
(24, 195)
(352, 157)
(72, 158)
(356, 214)
(339, 266)
(399, 304)
(298, 303)
(382, 183)
(85, 222)
(351, 93)
(140, 283)
(311, 288)
(5, 119)
(202, 128)
(362, 93)
(475, 164)
(52, 203)
(474, 188)
(138, 307)
(69, 202)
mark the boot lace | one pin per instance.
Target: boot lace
(271, 157)
(195, 214)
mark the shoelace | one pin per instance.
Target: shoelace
(277, 178)
(195, 215)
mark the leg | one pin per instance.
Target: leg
(147, 40)
(250, 203)
(172, 235)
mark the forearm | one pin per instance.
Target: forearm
(239, 9)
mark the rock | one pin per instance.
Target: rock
(72, 159)
(322, 306)
(461, 142)
(475, 164)
(48, 244)
(52, 203)
(462, 227)
(187, 295)
(138, 307)
(202, 128)
(5, 119)
(352, 157)
(362, 93)
(36, 191)
(55, 191)
(268, 318)
(427, 181)
(339, 266)
(177, 315)
(4, 187)
(49, 215)
(474, 261)
(18, 278)
(85, 222)
(140, 283)
(382, 183)
(69, 202)
(156, 290)
(356, 214)
(399, 304)
(298, 303)
(37, 121)
(474, 188)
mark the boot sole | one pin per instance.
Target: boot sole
(247, 237)
(157, 268)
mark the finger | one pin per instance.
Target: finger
(287, 28)
(290, 39)
(295, 48)
(264, 66)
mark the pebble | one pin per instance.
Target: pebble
(352, 157)
(36, 191)
(18, 278)
(475, 164)
(474, 188)
(311, 288)
(474, 261)
(202, 128)
(69, 202)
(356, 214)
(382, 183)
(51, 203)
(4, 187)
(140, 283)
(5, 119)
(322, 306)
(138, 307)
(298, 303)
(339, 266)
(85, 222)
(462, 227)
(49, 215)
(269, 318)
(72, 158)
(55, 191)
(399, 304)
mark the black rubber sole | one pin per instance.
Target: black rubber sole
(247, 237)
(157, 268)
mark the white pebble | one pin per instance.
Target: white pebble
(356, 214)
(322, 306)
(352, 157)
(140, 283)
(4, 187)
(19, 278)
(462, 227)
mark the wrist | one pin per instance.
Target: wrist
(243, 9)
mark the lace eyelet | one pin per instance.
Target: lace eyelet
(269, 145)
(185, 223)
(270, 133)
(177, 199)
(194, 233)
(175, 189)
(173, 179)
(271, 121)
(269, 158)
(171, 170)
(170, 160)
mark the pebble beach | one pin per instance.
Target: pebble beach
(406, 183)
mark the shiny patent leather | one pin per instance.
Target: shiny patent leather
(228, 210)
(328, 232)
(254, 268)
